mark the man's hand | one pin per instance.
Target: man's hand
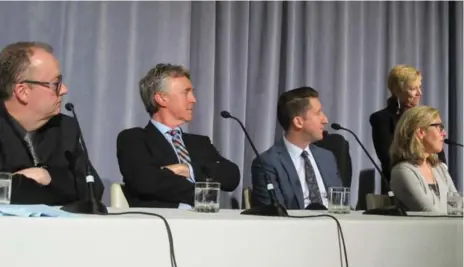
(40, 175)
(181, 169)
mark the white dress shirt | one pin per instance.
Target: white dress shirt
(298, 162)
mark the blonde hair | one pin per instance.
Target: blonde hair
(400, 76)
(406, 146)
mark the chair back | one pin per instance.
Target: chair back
(118, 199)
(246, 198)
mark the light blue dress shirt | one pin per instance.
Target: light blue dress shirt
(165, 131)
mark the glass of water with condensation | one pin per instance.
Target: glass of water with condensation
(5, 187)
(207, 196)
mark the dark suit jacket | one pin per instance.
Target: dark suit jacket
(340, 148)
(58, 149)
(141, 154)
(383, 123)
(279, 166)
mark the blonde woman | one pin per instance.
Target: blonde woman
(418, 178)
(405, 86)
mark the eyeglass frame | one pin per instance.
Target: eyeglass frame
(440, 126)
(47, 84)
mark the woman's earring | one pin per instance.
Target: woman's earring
(399, 105)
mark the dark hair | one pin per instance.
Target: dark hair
(14, 62)
(294, 103)
(155, 81)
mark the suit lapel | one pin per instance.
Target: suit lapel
(158, 142)
(47, 138)
(292, 175)
(317, 159)
(11, 142)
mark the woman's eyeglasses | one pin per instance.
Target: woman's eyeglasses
(440, 126)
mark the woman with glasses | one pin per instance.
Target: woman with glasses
(418, 178)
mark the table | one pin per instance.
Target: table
(229, 239)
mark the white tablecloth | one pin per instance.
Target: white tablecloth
(229, 239)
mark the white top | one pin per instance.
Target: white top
(298, 162)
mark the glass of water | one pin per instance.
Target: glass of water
(207, 196)
(339, 200)
(5, 187)
(455, 203)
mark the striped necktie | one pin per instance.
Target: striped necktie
(179, 146)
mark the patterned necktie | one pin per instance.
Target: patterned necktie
(314, 193)
(179, 146)
(30, 146)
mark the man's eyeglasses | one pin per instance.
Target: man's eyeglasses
(56, 86)
(440, 126)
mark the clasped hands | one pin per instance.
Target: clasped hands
(40, 175)
(181, 169)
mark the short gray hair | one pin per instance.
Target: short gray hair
(155, 81)
(14, 62)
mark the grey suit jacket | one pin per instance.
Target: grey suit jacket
(280, 168)
(411, 188)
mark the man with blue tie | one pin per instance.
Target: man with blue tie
(160, 163)
(300, 171)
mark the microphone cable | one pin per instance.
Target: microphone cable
(168, 229)
(341, 238)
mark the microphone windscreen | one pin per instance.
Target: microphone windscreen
(225, 114)
(69, 106)
(335, 126)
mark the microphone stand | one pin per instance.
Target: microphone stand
(397, 209)
(273, 209)
(90, 205)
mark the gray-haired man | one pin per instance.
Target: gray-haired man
(160, 163)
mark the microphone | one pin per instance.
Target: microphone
(91, 205)
(275, 208)
(397, 210)
(452, 143)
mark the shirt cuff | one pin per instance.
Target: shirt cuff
(192, 176)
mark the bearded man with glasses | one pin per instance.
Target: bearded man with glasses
(38, 144)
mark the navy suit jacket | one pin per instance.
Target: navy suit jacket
(280, 168)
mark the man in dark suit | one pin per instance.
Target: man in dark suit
(160, 163)
(301, 172)
(38, 143)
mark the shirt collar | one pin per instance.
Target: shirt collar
(164, 128)
(293, 150)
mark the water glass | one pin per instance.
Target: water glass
(339, 200)
(207, 196)
(455, 203)
(5, 187)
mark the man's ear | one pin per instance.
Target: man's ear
(160, 99)
(21, 92)
(298, 122)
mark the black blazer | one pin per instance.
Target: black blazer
(341, 150)
(383, 124)
(58, 149)
(141, 154)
